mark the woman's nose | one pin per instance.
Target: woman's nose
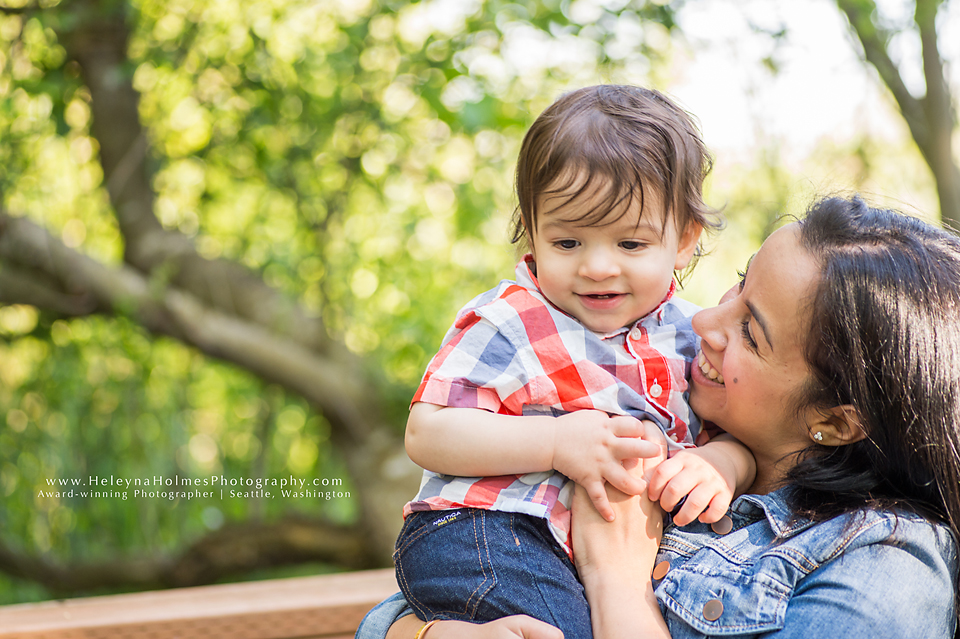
(731, 293)
(598, 265)
(712, 324)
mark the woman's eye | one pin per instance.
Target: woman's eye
(745, 330)
(566, 244)
(743, 274)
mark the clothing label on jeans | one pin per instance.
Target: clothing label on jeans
(447, 518)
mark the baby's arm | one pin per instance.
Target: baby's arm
(588, 446)
(709, 477)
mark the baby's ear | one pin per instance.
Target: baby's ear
(526, 240)
(689, 238)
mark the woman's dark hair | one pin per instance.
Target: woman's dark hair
(635, 139)
(885, 339)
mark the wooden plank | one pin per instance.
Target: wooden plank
(327, 606)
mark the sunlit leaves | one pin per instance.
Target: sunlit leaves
(100, 398)
(356, 155)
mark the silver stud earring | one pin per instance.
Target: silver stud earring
(818, 436)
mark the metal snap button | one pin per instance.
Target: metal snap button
(712, 610)
(660, 570)
(723, 526)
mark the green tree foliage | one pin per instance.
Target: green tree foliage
(931, 116)
(231, 234)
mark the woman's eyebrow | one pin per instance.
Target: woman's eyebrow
(763, 325)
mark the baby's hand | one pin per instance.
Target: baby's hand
(590, 447)
(696, 475)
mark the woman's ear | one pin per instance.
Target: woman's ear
(837, 426)
(687, 245)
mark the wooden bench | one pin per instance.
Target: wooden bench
(328, 607)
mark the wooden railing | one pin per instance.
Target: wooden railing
(327, 607)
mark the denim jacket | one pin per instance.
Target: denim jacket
(866, 575)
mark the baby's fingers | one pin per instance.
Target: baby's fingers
(621, 479)
(676, 488)
(634, 448)
(625, 426)
(661, 476)
(717, 509)
(598, 495)
(696, 502)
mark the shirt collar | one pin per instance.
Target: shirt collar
(528, 279)
(775, 508)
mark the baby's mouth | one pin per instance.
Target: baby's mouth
(601, 296)
(709, 371)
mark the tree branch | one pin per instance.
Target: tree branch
(930, 118)
(216, 306)
(97, 40)
(228, 551)
(168, 311)
(874, 41)
(18, 286)
(15, 11)
(937, 102)
(338, 388)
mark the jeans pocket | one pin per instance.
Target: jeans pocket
(443, 563)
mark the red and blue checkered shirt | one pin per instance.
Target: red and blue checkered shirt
(512, 352)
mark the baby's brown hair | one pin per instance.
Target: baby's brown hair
(635, 139)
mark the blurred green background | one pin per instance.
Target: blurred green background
(233, 233)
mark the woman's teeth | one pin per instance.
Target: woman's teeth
(709, 371)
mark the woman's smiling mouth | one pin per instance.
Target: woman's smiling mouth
(708, 370)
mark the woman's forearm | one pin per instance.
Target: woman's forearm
(615, 560)
(405, 628)
(624, 606)
(514, 627)
(622, 601)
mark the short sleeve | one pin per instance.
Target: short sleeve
(477, 367)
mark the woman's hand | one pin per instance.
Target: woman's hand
(593, 448)
(515, 627)
(615, 559)
(603, 547)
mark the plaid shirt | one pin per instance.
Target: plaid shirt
(512, 352)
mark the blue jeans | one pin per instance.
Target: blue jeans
(480, 565)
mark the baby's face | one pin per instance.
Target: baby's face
(607, 276)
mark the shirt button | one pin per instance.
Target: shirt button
(636, 333)
(660, 570)
(656, 391)
(723, 526)
(712, 610)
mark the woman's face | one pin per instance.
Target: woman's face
(754, 340)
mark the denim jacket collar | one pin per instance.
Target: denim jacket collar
(776, 509)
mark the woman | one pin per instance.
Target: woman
(840, 355)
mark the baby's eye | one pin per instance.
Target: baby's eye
(631, 245)
(566, 244)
